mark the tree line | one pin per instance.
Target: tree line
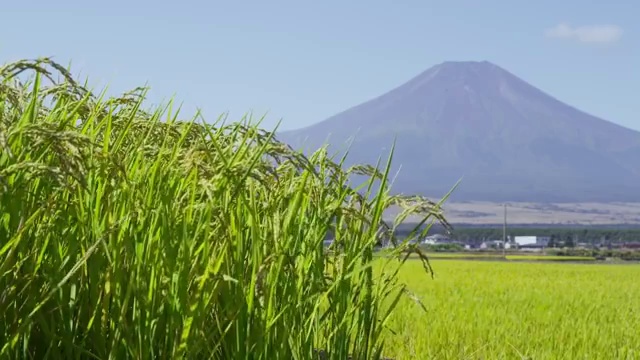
(592, 235)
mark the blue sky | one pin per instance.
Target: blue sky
(302, 62)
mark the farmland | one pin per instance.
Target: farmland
(503, 310)
(510, 257)
(126, 232)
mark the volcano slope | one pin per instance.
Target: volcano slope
(475, 121)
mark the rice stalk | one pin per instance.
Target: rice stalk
(128, 233)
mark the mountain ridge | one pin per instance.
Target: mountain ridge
(507, 139)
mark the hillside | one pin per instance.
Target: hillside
(506, 139)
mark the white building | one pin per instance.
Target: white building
(497, 244)
(436, 239)
(532, 240)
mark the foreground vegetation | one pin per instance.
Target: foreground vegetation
(516, 310)
(125, 233)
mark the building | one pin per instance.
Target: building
(531, 240)
(436, 239)
(495, 244)
(531, 248)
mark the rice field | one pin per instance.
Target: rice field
(129, 232)
(548, 258)
(464, 255)
(512, 257)
(504, 310)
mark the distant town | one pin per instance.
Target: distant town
(531, 243)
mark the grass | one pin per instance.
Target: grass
(509, 310)
(128, 233)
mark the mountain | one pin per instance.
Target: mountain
(506, 139)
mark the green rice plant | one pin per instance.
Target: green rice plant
(127, 233)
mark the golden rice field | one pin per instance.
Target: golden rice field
(503, 310)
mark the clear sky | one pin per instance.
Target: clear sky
(305, 61)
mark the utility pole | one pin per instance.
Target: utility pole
(504, 232)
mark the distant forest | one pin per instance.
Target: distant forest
(589, 234)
